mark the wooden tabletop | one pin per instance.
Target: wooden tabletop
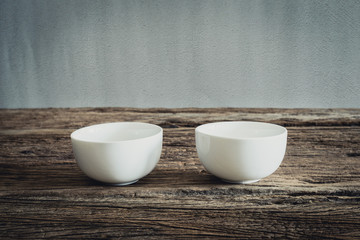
(314, 194)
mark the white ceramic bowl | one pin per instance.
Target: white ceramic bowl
(117, 153)
(241, 152)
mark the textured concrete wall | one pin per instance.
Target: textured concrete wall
(270, 53)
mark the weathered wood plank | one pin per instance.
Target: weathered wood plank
(315, 193)
(167, 118)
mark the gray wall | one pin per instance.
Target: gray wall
(278, 53)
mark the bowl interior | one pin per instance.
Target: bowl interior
(115, 132)
(241, 130)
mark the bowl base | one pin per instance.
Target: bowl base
(242, 182)
(123, 184)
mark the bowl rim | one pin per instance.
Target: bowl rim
(198, 129)
(74, 133)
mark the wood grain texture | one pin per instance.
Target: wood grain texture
(314, 194)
